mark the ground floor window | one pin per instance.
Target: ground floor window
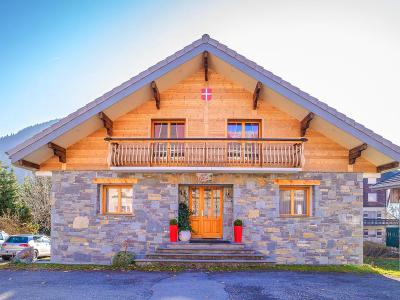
(379, 232)
(365, 232)
(294, 201)
(117, 199)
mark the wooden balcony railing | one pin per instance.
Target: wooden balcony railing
(207, 152)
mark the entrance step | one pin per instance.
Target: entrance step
(202, 262)
(204, 254)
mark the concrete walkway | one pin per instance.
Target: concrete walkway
(194, 285)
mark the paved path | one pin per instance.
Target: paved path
(194, 285)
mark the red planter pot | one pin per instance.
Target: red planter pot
(173, 233)
(238, 232)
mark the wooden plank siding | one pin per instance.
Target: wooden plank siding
(229, 101)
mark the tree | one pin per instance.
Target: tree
(35, 194)
(9, 191)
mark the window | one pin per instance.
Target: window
(294, 201)
(365, 232)
(371, 180)
(243, 129)
(117, 199)
(365, 215)
(379, 232)
(372, 197)
(379, 215)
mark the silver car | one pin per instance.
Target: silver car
(16, 243)
(3, 237)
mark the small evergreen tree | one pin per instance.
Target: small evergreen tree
(9, 191)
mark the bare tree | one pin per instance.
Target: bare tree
(35, 194)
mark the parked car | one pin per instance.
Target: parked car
(16, 243)
(3, 237)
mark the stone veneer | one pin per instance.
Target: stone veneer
(332, 235)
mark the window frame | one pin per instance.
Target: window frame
(169, 122)
(293, 188)
(104, 189)
(243, 123)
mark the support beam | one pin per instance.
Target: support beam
(107, 123)
(59, 151)
(305, 123)
(356, 153)
(256, 94)
(205, 62)
(28, 164)
(156, 94)
(392, 165)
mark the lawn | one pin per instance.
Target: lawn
(386, 267)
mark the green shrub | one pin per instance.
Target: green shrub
(238, 222)
(184, 214)
(372, 249)
(123, 259)
(173, 222)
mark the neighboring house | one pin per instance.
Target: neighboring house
(212, 129)
(376, 217)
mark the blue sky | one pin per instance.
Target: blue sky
(56, 56)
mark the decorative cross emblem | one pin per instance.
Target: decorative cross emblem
(206, 94)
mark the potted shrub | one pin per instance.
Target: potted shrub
(238, 230)
(173, 230)
(184, 222)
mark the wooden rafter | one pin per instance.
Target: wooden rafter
(59, 151)
(256, 94)
(305, 123)
(205, 63)
(156, 94)
(28, 164)
(356, 153)
(392, 165)
(107, 123)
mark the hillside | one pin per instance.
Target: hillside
(9, 141)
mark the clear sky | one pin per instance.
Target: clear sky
(55, 56)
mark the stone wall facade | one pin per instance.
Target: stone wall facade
(332, 235)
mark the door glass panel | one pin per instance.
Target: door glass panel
(217, 203)
(126, 200)
(299, 202)
(234, 130)
(251, 130)
(112, 200)
(207, 203)
(195, 202)
(284, 203)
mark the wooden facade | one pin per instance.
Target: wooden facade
(208, 120)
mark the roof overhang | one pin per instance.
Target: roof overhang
(228, 63)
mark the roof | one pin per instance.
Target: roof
(388, 183)
(250, 68)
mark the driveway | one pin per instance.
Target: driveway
(194, 285)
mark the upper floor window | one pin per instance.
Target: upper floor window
(294, 201)
(244, 129)
(372, 197)
(117, 199)
(168, 129)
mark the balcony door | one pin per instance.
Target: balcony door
(206, 203)
(243, 151)
(168, 129)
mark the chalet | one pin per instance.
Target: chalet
(212, 129)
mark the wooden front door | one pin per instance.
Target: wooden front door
(206, 203)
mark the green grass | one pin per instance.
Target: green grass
(299, 268)
(384, 266)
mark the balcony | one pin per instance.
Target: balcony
(380, 222)
(206, 153)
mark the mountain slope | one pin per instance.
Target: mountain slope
(9, 141)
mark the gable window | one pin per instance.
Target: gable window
(117, 199)
(294, 201)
